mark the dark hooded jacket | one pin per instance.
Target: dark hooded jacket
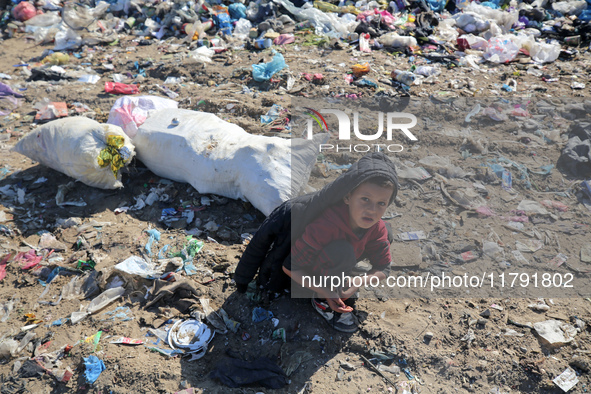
(271, 244)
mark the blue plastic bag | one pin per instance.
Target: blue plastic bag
(224, 24)
(237, 11)
(94, 367)
(436, 5)
(264, 72)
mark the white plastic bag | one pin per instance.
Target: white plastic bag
(475, 42)
(501, 50)
(129, 112)
(242, 29)
(505, 19)
(545, 53)
(218, 157)
(79, 17)
(471, 22)
(135, 265)
(66, 38)
(324, 22)
(73, 145)
(203, 54)
(570, 7)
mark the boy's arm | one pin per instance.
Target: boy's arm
(377, 250)
(333, 299)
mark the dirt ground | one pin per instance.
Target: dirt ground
(444, 343)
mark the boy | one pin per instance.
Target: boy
(332, 244)
(329, 230)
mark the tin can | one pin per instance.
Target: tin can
(263, 43)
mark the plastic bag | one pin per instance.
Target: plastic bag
(129, 112)
(135, 265)
(218, 157)
(78, 17)
(24, 11)
(505, 19)
(475, 42)
(324, 22)
(203, 54)
(44, 20)
(8, 348)
(242, 28)
(471, 22)
(545, 53)
(81, 148)
(570, 7)
(67, 39)
(501, 50)
(264, 72)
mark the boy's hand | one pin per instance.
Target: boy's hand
(337, 305)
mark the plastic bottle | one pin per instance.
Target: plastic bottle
(395, 41)
(405, 77)
(364, 42)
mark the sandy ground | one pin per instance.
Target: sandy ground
(438, 337)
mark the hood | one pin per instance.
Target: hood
(306, 208)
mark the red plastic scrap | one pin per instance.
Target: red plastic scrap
(30, 259)
(121, 88)
(555, 204)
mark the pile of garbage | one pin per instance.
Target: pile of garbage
(461, 32)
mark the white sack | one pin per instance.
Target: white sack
(218, 157)
(72, 146)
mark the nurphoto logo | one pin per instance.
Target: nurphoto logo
(395, 122)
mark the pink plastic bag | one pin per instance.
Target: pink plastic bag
(24, 11)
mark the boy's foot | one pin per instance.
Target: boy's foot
(344, 322)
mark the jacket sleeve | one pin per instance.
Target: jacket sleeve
(377, 249)
(276, 223)
(307, 252)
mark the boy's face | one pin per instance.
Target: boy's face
(367, 204)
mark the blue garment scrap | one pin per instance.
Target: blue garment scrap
(259, 314)
(94, 367)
